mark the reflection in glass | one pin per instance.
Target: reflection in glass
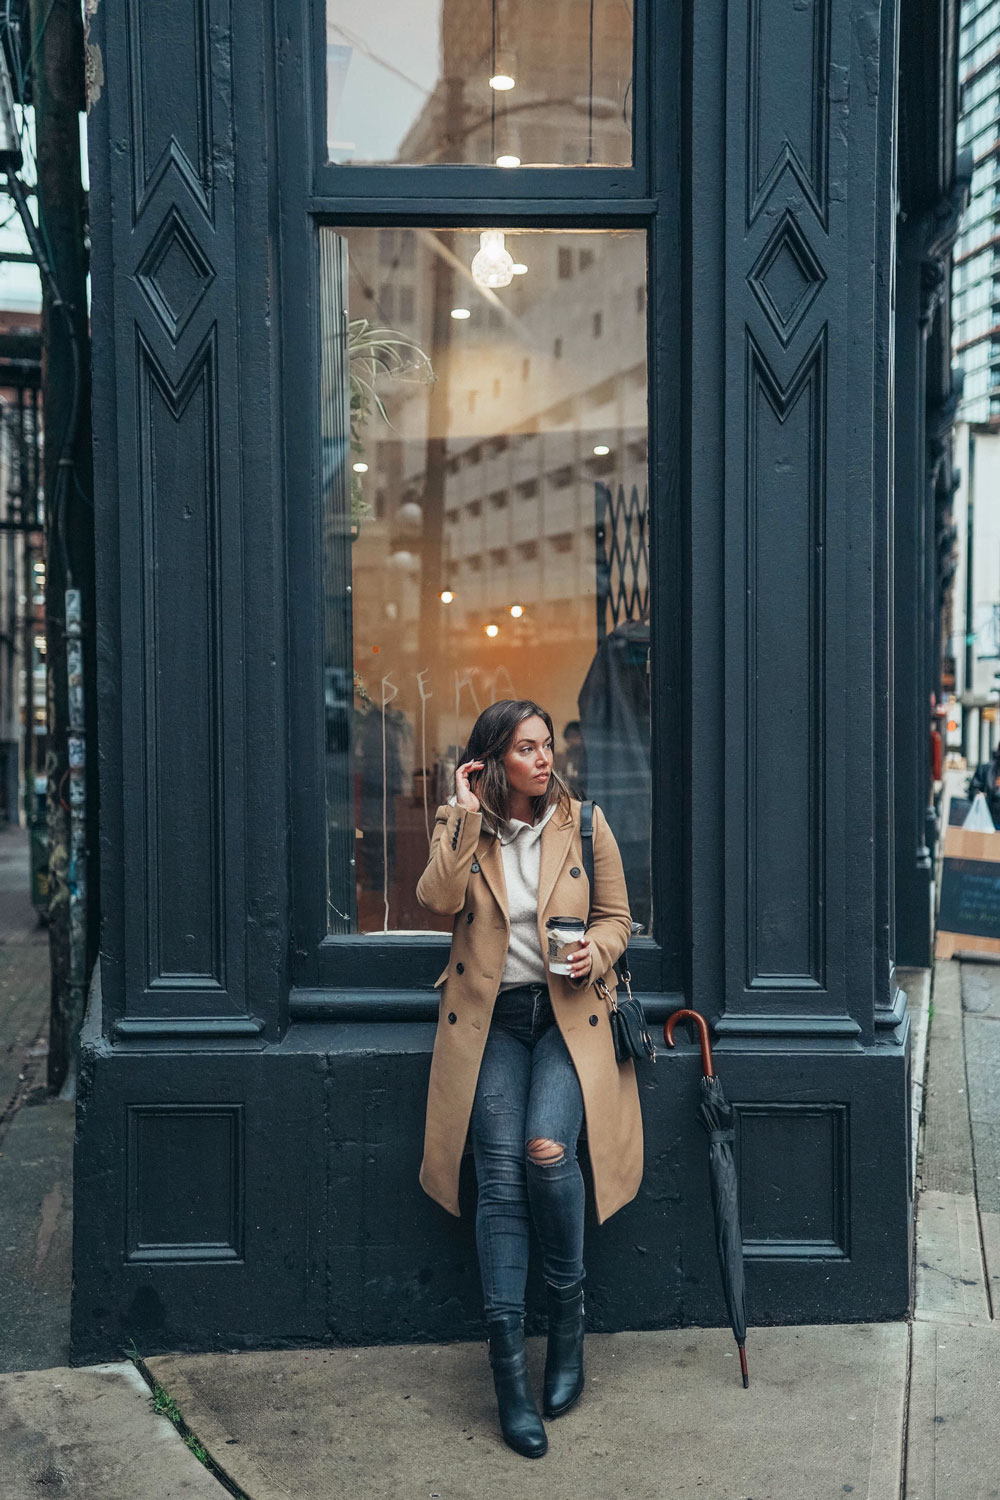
(485, 82)
(485, 536)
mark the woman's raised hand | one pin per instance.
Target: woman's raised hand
(464, 794)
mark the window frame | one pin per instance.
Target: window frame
(390, 975)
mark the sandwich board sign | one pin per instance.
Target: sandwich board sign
(969, 911)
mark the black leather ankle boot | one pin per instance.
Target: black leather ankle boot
(564, 1360)
(519, 1420)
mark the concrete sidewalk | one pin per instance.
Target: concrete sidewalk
(36, 1136)
(878, 1411)
(665, 1415)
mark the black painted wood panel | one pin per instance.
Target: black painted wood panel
(786, 127)
(194, 1211)
(803, 274)
(189, 531)
(785, 535)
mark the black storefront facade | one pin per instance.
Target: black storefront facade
(257, 1043)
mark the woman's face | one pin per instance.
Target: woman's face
(528, 760)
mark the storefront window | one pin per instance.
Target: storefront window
(483, 82)
(485, 533)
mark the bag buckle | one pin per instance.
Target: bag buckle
(601, 986)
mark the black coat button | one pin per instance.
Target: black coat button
(593, 1020)
(575, 872)
(475, 867)
(452, 1018)
(470, 917)
(459, 968)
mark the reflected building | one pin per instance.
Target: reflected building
(410, 82)
(502, 533)
(499, 518)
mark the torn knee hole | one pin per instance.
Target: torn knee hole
(546, 1153)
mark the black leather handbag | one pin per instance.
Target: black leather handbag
(629, 1031)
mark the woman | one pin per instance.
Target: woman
(521, 1054)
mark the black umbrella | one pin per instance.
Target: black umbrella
(716, 1114)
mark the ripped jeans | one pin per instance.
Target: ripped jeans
(526, 1119)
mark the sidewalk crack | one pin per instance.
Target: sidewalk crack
(166, 1406)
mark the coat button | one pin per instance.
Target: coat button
(459, 968)
(475, 867)
(593, 1020)
(575, 872)
(452, 1018)
(470, 916)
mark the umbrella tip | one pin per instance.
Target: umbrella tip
(743, 1368)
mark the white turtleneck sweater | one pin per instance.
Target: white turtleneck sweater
(520, 851)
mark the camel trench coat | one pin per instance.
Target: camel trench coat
(464, 876)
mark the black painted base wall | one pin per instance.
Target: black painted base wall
(264, 1198)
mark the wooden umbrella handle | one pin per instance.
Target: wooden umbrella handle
(702, 1025)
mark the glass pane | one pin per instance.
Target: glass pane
(485, 533)
(504, 82)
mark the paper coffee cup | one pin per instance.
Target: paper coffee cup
(563, 933)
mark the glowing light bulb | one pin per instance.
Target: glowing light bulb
(520, 269)
(446, 596)
(492, 630)
(361, 468)
(517, 610)
(508, 161)
(492, 264)
(458, 313)
(601, 450)
(501, 82)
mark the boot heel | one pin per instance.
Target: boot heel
(564, 1379)
(519, 1420)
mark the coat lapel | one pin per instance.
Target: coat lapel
(490, 862)
(557, 835)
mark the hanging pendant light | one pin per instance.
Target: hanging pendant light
(493, 264)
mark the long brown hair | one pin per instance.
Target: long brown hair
(492, 736)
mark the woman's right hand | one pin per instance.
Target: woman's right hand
(464, 794)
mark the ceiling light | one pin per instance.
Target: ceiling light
(458, 313)
(361, 468)
(492, 264)
(446, 596)
(601, 450)
(508, 161)
(492, 630)
(517, 610)
(501, 82)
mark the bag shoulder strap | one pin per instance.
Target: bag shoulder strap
(587, 840)
(587, 843)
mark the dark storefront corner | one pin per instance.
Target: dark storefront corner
(414, 390)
